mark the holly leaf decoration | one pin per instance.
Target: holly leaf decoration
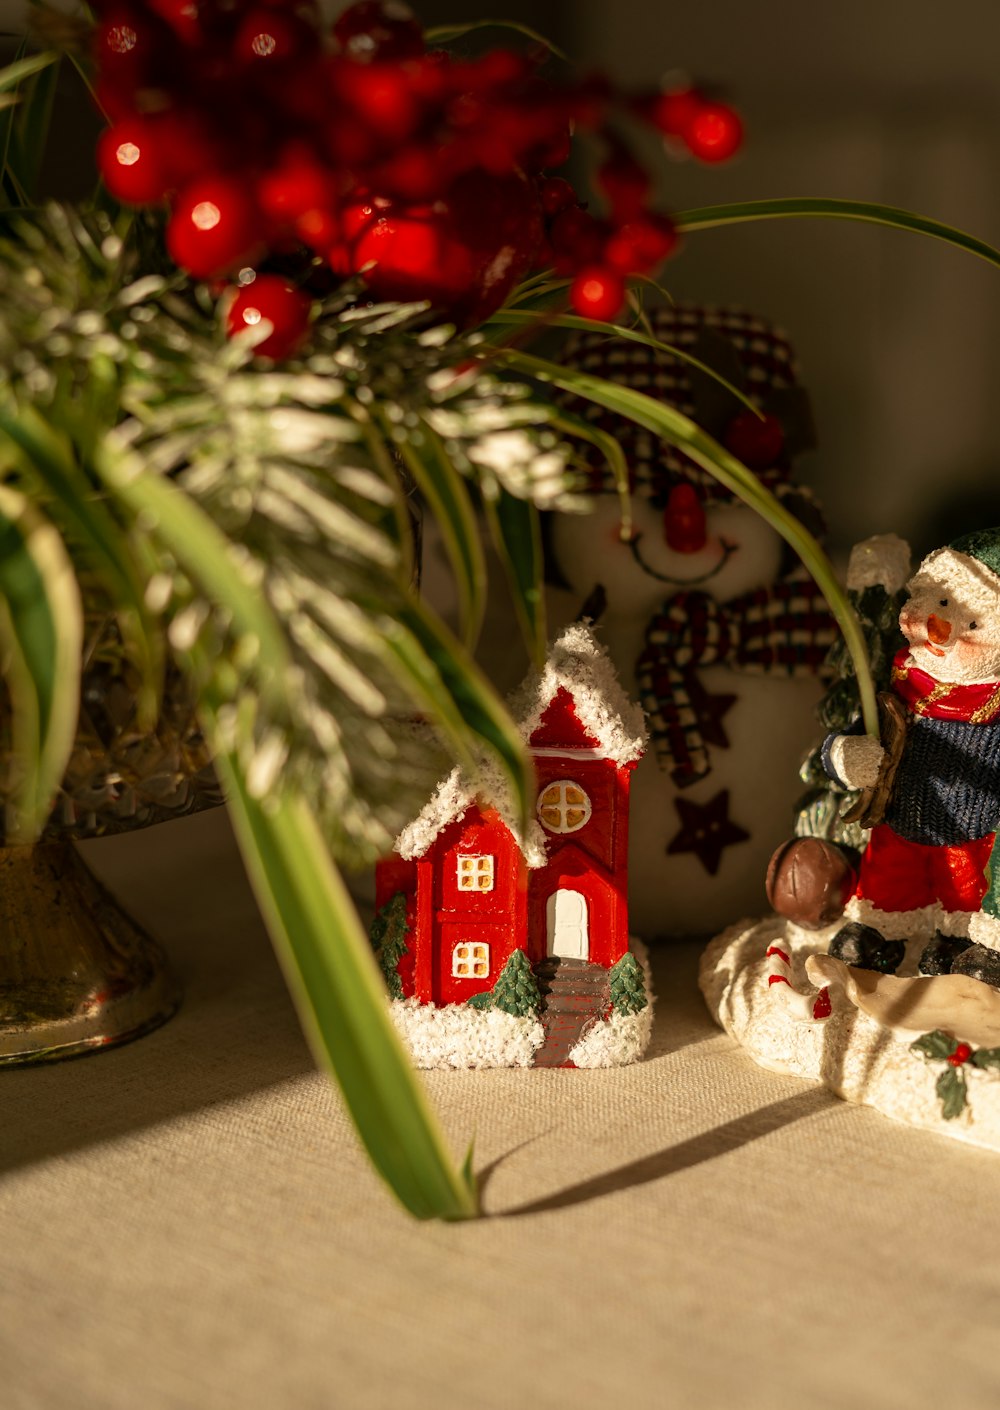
(986, 1057)
(938, 1045)
(951, 1089)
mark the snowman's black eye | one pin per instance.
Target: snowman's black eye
(943, 602)
(972, 626)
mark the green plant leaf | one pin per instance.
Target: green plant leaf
(986, 1058)
(516, 317)
(610, 447)
(936, 1046)
(334, 981)
(10, 101)
(478, 704)
(665, 421)
(449, 502)
(517, 536)
(41, 631)
(710, 217)
(953, 1093)
(204, 552)
(31, 127)
(50, 459)
(448, 33)
(15, 74)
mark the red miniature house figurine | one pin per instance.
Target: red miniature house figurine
(477, 891)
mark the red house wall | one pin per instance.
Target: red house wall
(497, 918)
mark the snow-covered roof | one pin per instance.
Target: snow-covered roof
(578, 663)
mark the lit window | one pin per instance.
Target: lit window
(469, 961)
(475, 873)
(563, 806)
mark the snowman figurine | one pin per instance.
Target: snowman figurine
(929, 871)
(709, 619)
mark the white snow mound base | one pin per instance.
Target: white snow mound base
(460, 1036)
(624, 1037)
(457, 1036)
(857, 1056)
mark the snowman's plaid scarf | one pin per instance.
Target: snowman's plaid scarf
(785, 627)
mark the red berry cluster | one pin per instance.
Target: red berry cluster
(426, 174)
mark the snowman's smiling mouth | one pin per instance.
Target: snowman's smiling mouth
(728, 549)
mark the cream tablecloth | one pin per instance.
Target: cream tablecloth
(187, 1222)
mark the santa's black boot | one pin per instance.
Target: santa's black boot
(940, 953)
(867, 948)
(979, 963)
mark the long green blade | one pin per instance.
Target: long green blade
(48, 457)
(477, 702)
(15, 74)
(517, 535)
(448, 33)
(341, 1000)
(516, 317)
(708, 217)
(204, 552)
(665, 421)
(41, 633)
(449, 502)
(608, 446)
(31, 127)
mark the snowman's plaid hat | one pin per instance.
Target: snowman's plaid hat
(983, 545)
(748, 351)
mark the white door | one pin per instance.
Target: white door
(566, 917)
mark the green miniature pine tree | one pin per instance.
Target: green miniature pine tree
(388, 937)
(628, 985)
(819, 810)
(516, 990)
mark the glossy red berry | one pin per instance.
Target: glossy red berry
(268, 36)
(379, 29)
(640, 245)
(961, 1055)
(271, 298)
(673, 113)
(381, 96)
(715, 133)
(756, 440)
(626, 185)
(214, 225)
(557, 195)
(598, 292)
(133, 163)
(298, 185)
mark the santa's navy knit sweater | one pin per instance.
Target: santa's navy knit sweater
(947, 787)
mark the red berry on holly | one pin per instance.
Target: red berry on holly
(715, 133)
(214, 225)
(557, 195)
(598, 293)
(272, 299)
(379, 29)
(381, 96)
(269, 36)
(640, 245)
(130, 158)
(756, 440)
(577, 239)
(296, 186)
(674, 112)
(625, 184)
(182, 16)
(961, 1055)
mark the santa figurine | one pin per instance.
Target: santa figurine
(929, 871)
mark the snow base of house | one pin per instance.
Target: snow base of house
(457, 1036)
(624, 1037)
(863, 1056)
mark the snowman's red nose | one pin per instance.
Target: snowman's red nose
(939, 631)
(684, 520)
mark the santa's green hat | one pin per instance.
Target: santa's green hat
(983, 545)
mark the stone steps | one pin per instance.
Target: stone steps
(575, 993)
